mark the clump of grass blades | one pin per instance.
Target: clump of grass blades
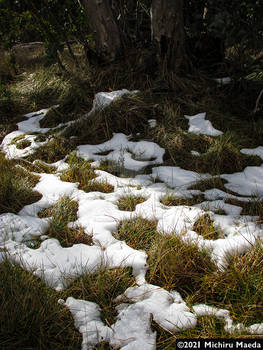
(128, 114)
(96, 186)
(16, 187)
(56, 149)
(31, 317)
(80, 171)
(102, 287)
(66, 209)
(137, 233)
(178, 265)
(171, 200)
(23, 144)
(129, 202)
(207, 327)
(37, 166)
(204, 226)
(62, 213)
(253, 207)
(17, 138)
(72, 105)
(223, 156)
(209, 184)
(238, 288)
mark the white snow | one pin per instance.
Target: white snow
(247, 183)
(129, 155)
(198, 125)
(99, 216)
(223, 81)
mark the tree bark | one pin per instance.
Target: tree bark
(103, 28)
(168, 32)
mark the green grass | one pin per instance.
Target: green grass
(56, 149)
(205, 227)
(37, 166)
(170, 200)
(239, 288)
(177, 265)
(137, 233)
(80, 171)
(102, 287)
(23, 144)
(129, 202)
(62, 213)
(253, 207)
(128, 114)
(16, 187)
(31, 317)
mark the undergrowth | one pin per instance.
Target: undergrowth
(31, 317)
(16, 187)
(62, 213)
(102, 287)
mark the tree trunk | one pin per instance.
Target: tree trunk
(103, 29)
(168, 32)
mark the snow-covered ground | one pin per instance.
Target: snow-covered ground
(99, 214)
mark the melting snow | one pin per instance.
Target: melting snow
(198, 125)
(99, 215)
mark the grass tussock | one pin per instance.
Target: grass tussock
(254, 207)
(238, 288)
(102, 287)
(128, 114)
(137, 233)
(217, 155)
(62, 213)
(129, 202)
(205, 227)
(56, 149)
(23, 144)
(178, 265)
(171, 200)
(207, 327)
(16, 187)
(37, 166)
(31, 317)
(80, 171)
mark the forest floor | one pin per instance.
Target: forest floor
(129, 218)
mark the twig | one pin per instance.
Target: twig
(257, 102)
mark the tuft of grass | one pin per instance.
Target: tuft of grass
(204, 226)
(66, 209)
(129, 114)
(207, 327)
(31, 317)
(17, 138)
(254, 207)
(23, 144)
(62, 213)
(102, 287)
(16, 187)
(36, 167)
(56, 149)
(80, 171)
(129, 202)
(171, 200)
(223, 156)
(209, 184)
(137, 233)
(96, 186)
(238, 288)
(178, 265)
